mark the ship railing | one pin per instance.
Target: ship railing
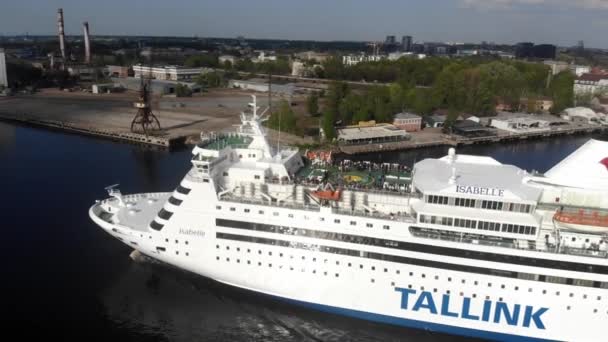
(401, 217)
(277, 204)
(372, 190)
(486, 242)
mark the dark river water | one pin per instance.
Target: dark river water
(65, 279)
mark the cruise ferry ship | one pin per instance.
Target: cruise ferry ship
(469, 246)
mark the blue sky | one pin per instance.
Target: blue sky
(563, 22)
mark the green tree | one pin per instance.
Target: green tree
(283, 119)
(182, 90)
(562, 91)
(328, 122)
(312, 104)
(212, 79)
(206, 60)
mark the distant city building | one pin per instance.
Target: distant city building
(524, 50)
(579, 70)
(529, 50)
(157, 87)
(548, 51)
(408, 121)
(227, 58)
(406, 43)
(351, 60)
(471, 128)
(263, 57)
(168, 72)
(591, 84)
(82, 72)
(542, 104)
(119, 71)
(390, 40)
(3, 75)
(261, 85)
(393, 56)
(312, 55)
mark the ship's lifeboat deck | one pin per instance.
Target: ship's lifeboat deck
(581, 219)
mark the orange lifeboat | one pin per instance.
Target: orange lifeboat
(582, 221)
(327, 193)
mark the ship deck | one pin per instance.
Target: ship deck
(139, 211)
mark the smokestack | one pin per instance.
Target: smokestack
(87, 43)
(61, 33)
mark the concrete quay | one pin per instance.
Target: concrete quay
(110, 115)
(438, 139)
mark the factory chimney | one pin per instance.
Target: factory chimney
(61, 33)
(87, 43)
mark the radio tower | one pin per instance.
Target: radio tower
(144, 117)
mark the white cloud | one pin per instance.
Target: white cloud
(506, 4)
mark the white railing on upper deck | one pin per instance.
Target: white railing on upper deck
(466, 238)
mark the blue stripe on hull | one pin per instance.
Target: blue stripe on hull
(410, 323)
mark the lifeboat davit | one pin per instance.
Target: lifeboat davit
(581, 221)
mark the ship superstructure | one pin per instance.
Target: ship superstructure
(463, 244)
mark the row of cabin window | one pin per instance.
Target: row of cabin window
(411, 274)
(225, 174)
(261, 212)
(520, 275)
(484, 204)
(483, 225)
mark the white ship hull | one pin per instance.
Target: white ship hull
(444, 300)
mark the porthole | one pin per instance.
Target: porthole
(248, 262)
(217, 246)
(435, 290)
(217, 258)
(325, 273)
(259, 263)
(259, 251)
(502, 286)
(270, 253)
(227, 248)
(571, 295)
(461, 294)
(373, 281)
(238, 249)
(360, 266)
(392, 283)
(411, 274)
(337, 262)
(463, 281)
(544, 291)
(269, 265)
(398, 272)
(474, 295)
(187, 254)
(450, 279)
(386, 270)
(337, 275)
(227, 259)
(489, 284)
(516, 288)
(568, 307)
(423, 275)
(373, 268)
(349, 264)
(557, 293)
(409, 286)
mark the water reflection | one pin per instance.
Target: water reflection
(184, 307)
(7, 137)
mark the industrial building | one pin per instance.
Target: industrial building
(408, 121)
(168, 72)
(261, 86)
(435, 120)
(82, 72)
(364, 134)
(584, 115)
(3, 75)
(157, 87)
(119, 71)
(520, 124)
(471, 129)
(591, 84)
(351, 60)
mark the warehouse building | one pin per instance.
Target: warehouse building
(364, 134)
